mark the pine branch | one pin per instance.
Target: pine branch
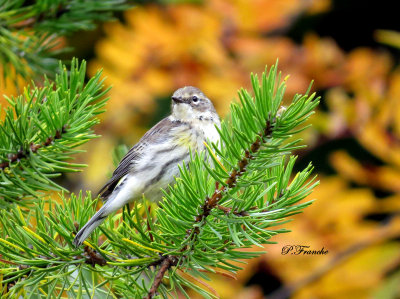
(61, 16)
(230, 199)
(30, 32)
(211, 203)
(16, 157)
(42, 127)
(166, 263)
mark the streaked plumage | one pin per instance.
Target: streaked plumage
(153, 162)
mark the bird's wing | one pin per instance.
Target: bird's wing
(156, 134)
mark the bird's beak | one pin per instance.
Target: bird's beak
(177, 100)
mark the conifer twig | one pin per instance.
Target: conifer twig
(167, 262)
(31, 32)
(41, 128)
(211, 203)
(21, 154)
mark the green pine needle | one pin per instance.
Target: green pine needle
(41, 130)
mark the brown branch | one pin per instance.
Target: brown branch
(7, 262)
(94, 258)
(148, 226)
(227, 210)
(23, 154)
(168, 262)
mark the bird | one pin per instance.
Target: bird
(152, 164)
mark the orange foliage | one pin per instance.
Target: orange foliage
(213, 46)
(159, 49)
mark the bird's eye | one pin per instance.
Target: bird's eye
(195, 99)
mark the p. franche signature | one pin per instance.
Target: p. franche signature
(302, 250)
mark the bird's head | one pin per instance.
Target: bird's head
(189, 103)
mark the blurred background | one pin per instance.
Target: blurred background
(351, 51)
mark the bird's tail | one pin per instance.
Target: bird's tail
(88, 228)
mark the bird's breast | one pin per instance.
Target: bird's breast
(194, 134)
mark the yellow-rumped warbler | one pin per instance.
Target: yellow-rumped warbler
(153, 162)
